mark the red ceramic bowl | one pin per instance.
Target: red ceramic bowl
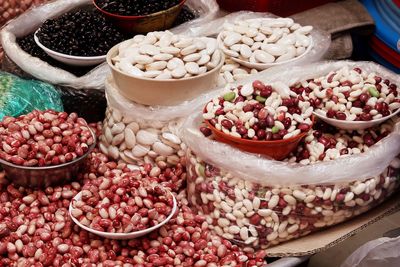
(143, 24)
(277, 149)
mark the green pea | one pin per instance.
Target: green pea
(373, 91)
(275, 130)
(261, 99)
(229, 96)
(202, 170)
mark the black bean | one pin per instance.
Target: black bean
(135, 7)
(185, 15)
(80, 33)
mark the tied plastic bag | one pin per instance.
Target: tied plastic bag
(380, 252)
(18, 96)
(140, 134)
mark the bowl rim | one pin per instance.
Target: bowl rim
(116, 16)
(258, 142)
(61, 55)
(114, 49)
(261, 66)
(52, 167)
(346, 122)
(122, 235)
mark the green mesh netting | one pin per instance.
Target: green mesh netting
(19, 96)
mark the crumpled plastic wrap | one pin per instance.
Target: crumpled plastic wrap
(383, 251)
(18, 96)
(139, 134)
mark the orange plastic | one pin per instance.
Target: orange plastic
(158, 21)
(277, 149)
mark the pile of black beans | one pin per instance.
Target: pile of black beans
(80, 33)
(185, 15)
(135, 7)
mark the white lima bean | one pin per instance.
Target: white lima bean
(163, 55)
(137, 141)
(265, 40)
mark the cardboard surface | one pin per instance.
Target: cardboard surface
(330, 237)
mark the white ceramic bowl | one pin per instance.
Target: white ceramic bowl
(122, 236)
(68, 59)
(162, 92)
(354, 125)
(262, 66)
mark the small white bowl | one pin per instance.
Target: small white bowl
(262, 66)
(121, 236)
(68, 59)
(354, 125)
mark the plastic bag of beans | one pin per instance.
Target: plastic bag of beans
(258, 202)
(261, 202)
(137, 134)
(18, 96)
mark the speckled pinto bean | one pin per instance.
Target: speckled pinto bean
(259, 111)
(36, 230)
(43, 138)
(351, 94)
(260, 215)
(122, 204)
(325, 142)
(137, 141)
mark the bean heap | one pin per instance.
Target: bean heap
(232, 71)
(265, 40)
(257, 111)
(138, 141)
(186, 14)
(351, 94)
(43, 138)
(261, 215)
(80, 33)
(163, 55)
(122, 205)
(135, 7)
(36, 230)
(327, 143)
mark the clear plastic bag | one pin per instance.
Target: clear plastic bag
(18, 96)
(206, 10)
(258, 169)
(379, 252)
(264, 214)
(139, 134)
(259, 202)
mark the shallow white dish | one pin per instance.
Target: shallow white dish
(262, 66)
(354, 125)
(121, 236)
(68, 59)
